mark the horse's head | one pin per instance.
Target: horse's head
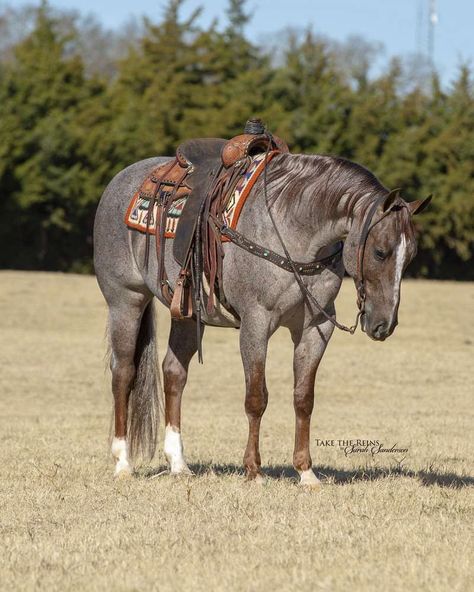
(377, 251)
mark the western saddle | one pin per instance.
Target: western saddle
(207, 171)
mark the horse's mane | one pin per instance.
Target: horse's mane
(303, 185)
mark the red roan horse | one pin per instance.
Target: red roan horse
(304, 203)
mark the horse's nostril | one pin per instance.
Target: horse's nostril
(380, 330)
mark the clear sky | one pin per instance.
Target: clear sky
(395, 23)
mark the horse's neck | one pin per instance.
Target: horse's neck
(313, 219)
(345, 217)
(335, 225)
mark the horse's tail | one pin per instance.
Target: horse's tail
(146, 394)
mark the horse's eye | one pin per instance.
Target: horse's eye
(379, 254)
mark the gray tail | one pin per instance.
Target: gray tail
(144, 402)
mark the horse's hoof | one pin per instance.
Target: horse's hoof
(309, 481)
(123, 474)
(311, 486)
(256, 479)
(183, 472)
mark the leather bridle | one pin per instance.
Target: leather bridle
(366, 228)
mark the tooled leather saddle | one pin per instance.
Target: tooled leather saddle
(205, 171)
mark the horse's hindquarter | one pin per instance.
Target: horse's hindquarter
(119, 251)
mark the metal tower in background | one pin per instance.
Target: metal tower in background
(426, 21)
(433, 21)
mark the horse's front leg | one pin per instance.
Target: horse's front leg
(310, 343)
(254, 337)
(182, 346)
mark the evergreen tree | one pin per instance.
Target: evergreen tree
(41, 173)
(448, 172)
(238, 18)
(66, 132)
(314, 97)
(228, 67)
(374, 118)
(153, 89)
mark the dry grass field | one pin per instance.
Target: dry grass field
(384, 522)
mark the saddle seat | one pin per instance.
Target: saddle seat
(200, 152)
(206, 151)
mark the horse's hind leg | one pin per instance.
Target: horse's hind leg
(182, 346)
(125, 321)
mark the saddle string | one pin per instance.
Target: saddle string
(151, 205)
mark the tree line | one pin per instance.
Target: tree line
(78, 104)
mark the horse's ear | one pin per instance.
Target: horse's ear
(417, 206)
(390, 199)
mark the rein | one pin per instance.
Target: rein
(308, 297)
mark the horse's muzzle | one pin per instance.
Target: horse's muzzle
(378, 331)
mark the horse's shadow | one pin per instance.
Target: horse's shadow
(329, 474)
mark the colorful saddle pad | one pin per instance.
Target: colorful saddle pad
(137, 212)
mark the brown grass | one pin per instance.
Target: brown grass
(381, 523)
